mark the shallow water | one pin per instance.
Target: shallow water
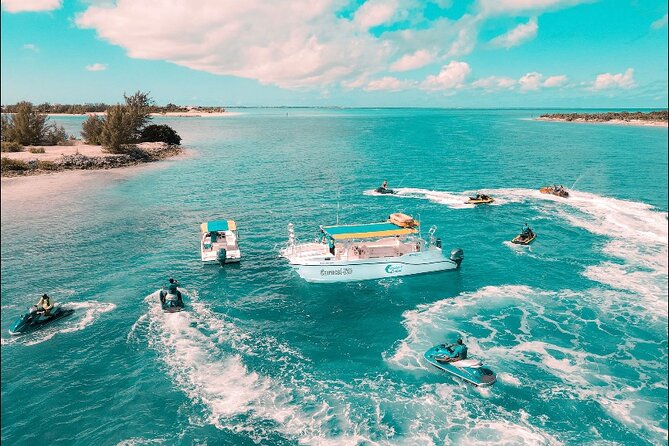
(575, 325)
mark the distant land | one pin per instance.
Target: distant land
(653, 118)
(99, 107)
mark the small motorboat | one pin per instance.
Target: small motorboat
(559, 191)
(524, 238)
(219, 242)
(469, 370)
(480, 199)
(385, 190)
(34, 319)
(171, 303)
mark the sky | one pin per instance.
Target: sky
(358, 53)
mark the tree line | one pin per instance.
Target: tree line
(122, 126)
(660, 115)
(99, 107)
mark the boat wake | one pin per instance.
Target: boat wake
(570, 348)
(207, 354)
(637, 236)
(85, 314)
(251, 384)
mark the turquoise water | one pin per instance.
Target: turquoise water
(575, 325)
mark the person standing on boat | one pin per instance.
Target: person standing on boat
(45, 304)
(331, 245)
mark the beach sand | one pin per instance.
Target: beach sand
(52, 153)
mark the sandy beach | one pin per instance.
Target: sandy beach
(82, 157)
(53, 153)
(633, 122)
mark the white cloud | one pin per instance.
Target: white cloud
(555, 81)
(659, 23)
(290, 44)
(494, 7)
(31, 47)
(375, 12)
(412, 61)
(530, 81)
(96, 67)
(450, 77)
(30, 5)
(387, 83)
(620, 80)
(295, 44)
(494, 83)
(516, 36)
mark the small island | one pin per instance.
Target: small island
(122, 136)
(653, 118)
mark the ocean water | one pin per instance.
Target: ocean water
(575, 325)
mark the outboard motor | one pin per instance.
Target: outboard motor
(457, 255)
(221, 256)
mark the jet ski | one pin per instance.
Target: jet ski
(524, 238)
(171, 303)
(34, 319)
(385, 190)
(469, 370)
(480, 199)
(558, 191)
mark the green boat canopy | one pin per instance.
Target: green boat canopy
(370, 230)
(218, 225)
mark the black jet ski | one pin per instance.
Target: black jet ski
(171, 303)
(35, 319)
(385, 190)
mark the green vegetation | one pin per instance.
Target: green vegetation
(47, 165)
(11, 146)
(162, 133)
(117, 130)
(91, 129)
(126, 124)
(610, 116)
(12, 165)
(28, 127)
(80, 109)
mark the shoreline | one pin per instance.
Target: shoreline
(83, 157)
(631, 122)
(166, 114)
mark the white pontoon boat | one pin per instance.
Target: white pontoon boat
(348, 253)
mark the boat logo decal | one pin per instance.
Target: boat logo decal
(337, 272)
(390, 269)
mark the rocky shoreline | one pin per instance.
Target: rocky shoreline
(25, 164)
(655, 118)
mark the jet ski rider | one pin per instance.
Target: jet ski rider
(45, 304)
(456, 351)
(384, 185)
(173, 289)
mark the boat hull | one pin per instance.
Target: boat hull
(330, 271)
(475, 374)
